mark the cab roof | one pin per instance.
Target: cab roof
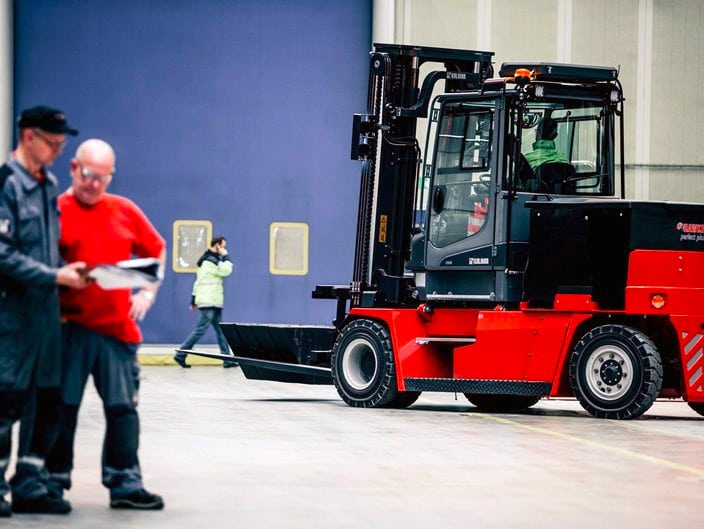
(548, 71)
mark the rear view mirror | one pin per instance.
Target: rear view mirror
(530, 120)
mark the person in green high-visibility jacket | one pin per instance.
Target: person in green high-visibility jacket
(544, 150)
(208, 297)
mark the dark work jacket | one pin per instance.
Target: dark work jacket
(29, 258)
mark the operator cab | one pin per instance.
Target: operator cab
(540, 132)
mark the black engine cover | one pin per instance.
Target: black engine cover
(582, 245)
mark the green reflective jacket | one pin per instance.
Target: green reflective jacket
(544, 151)
(207, 288)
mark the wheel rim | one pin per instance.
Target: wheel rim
(609, 372)
(359, 364)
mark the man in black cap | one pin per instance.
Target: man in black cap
(30, 272)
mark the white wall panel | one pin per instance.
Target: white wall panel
(657, 44)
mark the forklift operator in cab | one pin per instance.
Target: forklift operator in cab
(544, 150)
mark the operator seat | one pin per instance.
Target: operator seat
(555, 178)
(525, 176)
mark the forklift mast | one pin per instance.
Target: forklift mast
(385, 140)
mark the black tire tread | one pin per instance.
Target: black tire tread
(501, 403)
(651, 366)
(386, 391)
(403, 399)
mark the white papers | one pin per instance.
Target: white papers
(134, 273)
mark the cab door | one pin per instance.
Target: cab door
(459, 253)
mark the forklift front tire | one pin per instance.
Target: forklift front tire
(363, 369)
(616, 372)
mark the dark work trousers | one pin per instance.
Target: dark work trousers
(208, 316)
(29, 379)
(113, 365)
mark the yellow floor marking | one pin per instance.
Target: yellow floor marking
(168, 360)
(644, 428)
(622, 451)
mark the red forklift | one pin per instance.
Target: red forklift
(505, 263)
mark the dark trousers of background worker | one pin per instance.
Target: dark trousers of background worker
(30, 372)
(113, 365)
(208, 316)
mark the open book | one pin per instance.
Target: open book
(134, 273)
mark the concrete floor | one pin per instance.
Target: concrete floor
(226, 452)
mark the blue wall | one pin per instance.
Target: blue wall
(237, 111)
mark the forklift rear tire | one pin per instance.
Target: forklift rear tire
(616, 372)
(501, 403)
(363, 369)
(697, 406)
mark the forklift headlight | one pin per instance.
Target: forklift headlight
(615, 96)
(539, 91)
(657, 300)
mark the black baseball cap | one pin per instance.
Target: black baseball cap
(47, 119)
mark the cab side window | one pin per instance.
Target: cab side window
(561, 149)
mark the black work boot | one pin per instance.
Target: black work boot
(229, 363)
(47, 504)
(140, 499)
(181, 361)
(5, 509)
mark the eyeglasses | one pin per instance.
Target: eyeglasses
(54, 144)
(87, 174)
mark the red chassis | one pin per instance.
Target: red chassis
(535, 345)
